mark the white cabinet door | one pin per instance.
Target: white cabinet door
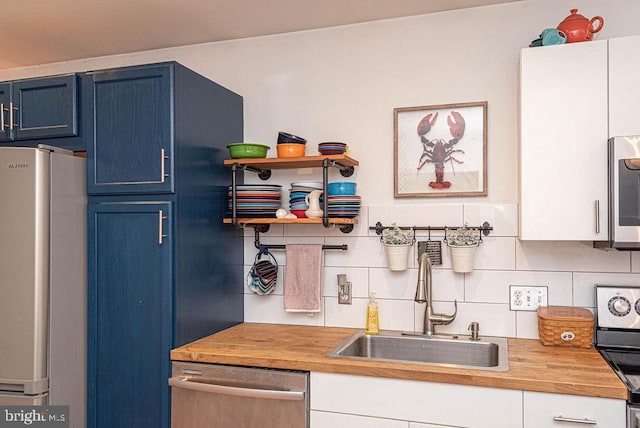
(416, 401)
(624, 86)
(540, 409)
(336, 420)
(563, 142)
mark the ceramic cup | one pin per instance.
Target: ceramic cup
(553, 36)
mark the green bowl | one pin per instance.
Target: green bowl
(247, 150)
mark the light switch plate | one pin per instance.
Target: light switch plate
(527, 297)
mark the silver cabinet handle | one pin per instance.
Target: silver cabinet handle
(597, 208)
(3, 126)
(161, 235)
(584, 421)
(236, 391)
(163, 159)
(12, 123)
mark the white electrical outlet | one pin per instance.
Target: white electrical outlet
(527, 298)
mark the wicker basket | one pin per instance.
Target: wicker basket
(565, 326)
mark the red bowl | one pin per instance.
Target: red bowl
(331, 151)
(299, 213)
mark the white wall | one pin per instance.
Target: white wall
(342, 84)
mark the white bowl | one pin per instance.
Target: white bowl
(312, 184)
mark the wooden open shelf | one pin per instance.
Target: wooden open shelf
(301, 162)
(262, 165)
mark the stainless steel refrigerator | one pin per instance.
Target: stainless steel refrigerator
(43, 279)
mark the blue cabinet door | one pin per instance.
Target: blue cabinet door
(5, 99)
(129, 130)
(129, 328)
(44, 108)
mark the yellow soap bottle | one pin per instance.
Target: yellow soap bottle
(372, 326)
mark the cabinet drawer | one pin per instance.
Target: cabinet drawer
(416, 401)
(540, 409)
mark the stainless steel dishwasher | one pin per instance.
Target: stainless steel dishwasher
(212, 395)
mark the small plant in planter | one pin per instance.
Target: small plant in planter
(397, 243)
(463, 243)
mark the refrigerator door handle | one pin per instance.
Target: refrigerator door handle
(185, 383)
(161, 234)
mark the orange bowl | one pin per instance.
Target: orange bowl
(286, 150)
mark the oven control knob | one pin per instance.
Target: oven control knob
(619, 306)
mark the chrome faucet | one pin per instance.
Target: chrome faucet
(424, 295)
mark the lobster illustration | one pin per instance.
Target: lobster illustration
(438, 152)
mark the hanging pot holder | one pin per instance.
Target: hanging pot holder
(263, 275)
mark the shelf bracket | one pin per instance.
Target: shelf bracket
(260, 228)
(234, 195)
(345, 171)
(346, 228)
(263, 174)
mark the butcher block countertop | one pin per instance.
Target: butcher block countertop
(532, 366)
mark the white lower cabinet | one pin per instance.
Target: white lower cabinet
(543, 410)
(413, 404)
(371, 402)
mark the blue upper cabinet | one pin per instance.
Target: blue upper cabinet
(129, 129)
(42, 108)
(5, 100)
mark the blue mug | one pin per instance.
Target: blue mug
(553, 36)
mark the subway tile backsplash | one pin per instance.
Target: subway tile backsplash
(569, 270)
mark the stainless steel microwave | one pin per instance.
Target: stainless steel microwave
(624, 192)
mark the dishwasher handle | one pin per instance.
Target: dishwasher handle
(185, 383)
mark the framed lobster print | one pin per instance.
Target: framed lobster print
(440, 151)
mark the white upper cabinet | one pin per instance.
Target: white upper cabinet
(563, 142)
(624, 86)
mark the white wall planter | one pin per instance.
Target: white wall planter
(397, 256)
(463, 258)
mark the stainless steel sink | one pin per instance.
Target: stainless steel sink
(488, 353)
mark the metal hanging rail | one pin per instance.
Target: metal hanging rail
(483, 230)
(258, 244)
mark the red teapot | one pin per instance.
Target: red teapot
(578, 28)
